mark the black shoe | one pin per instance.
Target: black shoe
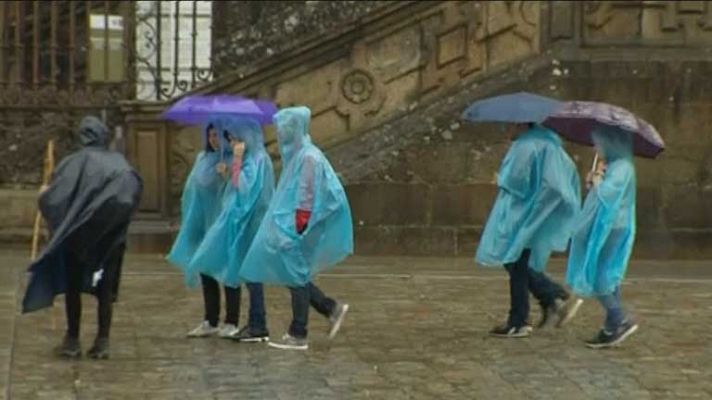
(511, 331)
(247, 335)
(606, 339)
(100, 350)
(70, 348)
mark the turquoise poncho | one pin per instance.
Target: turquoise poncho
(279, 255)
(539, 195)
(201, 202)
(245, 203)
(605, 232)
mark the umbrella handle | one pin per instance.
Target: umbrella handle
(595, 162)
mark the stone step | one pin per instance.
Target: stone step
(145, 236)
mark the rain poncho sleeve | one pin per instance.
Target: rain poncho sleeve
(538, 197)
(279, 254)
(244, 205)
(201, 203)
(603, 242)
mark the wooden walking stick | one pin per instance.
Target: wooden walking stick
(46, 176)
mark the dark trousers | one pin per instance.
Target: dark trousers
(523, 280)
(105, 290)
(211, 294)
(211, 297)
(302, 298)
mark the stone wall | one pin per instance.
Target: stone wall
(434, 190)
(245, 32)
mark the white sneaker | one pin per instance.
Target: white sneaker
(337, 319)
(229, 331)
(203, 330)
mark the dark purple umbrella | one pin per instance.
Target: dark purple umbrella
(576, 120)
(196, 110)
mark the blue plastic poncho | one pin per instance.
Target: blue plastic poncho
(245, 203)
(605, 232)
(308, 182)
(201, 202)
(539, 195)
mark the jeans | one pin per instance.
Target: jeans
(302, 298)
(615, 315)
(211, 296)
(257, 321)
(523, 280)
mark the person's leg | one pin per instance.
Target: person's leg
(232, 305)
(322, 303)
(517, 323)
(72, 298)
(617, 326)
(615, 315)
(300, 311)
(519, 291)
(105, 298)
(211, 299)
(327, 307)
(70, 346)
(544, 289)
(256, 329)
(257, 320)
(557, 306)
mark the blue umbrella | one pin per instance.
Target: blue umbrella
(519, 107)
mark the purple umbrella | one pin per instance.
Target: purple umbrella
(196, 110)
(576, 120)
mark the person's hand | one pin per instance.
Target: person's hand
(221, 168)
(238, 149)
(43, 188)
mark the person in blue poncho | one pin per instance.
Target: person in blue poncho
(201, 204)
(605, 232)
(533, 215)
(245, 201)
(307, 228)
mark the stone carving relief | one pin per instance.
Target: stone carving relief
(468, 37)
(652, 22)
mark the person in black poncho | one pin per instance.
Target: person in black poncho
(88, 205)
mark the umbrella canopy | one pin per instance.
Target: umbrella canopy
(519, 107)
(576, 120)
(196, 110)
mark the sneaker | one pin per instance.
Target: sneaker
(548, 315)
(567, 311)
(337, 318)
(289, 342)
(228, 331)
(510, 331)
(203, 330)
(606, 339)
(100, 349)
(70, 348)
(247, 335)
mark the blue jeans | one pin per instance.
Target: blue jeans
(615, 314)
(257, 321)
(302, 298)
(523, 280)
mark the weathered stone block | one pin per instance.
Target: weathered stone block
(389, 204)
(18, 208)
(462, 205)
(400, 240)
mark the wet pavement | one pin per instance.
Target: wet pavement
(417, 330)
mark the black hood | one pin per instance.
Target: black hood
(93, 132)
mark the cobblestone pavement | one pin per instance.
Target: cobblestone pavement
(417, 330)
